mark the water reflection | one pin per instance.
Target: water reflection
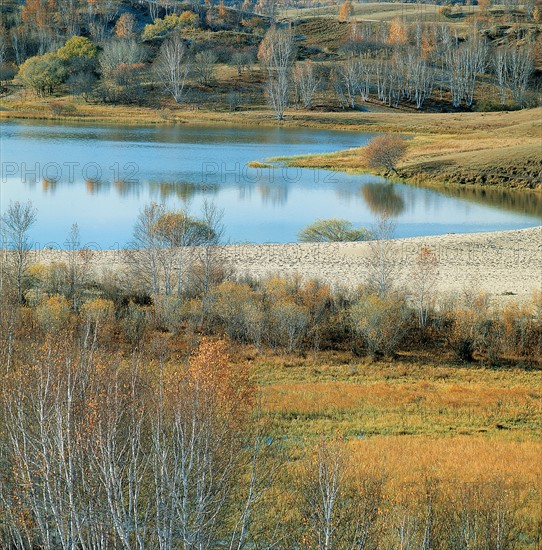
(183, 190)
(524, 201)
(48, 185)
(179, 165)
(126, 188)
(95, 186)
(275, 195)
(383, 198)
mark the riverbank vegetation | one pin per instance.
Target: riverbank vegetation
(172, 404)
(479, 149)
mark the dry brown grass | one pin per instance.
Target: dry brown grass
(359, 397)
(413, 424)
(478, 148)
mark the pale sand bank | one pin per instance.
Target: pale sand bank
(505, 264)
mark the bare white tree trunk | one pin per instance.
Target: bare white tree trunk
(173, 66)
(276, 55)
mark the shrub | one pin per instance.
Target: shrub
(332, 230)
(54, 314)
(59, 108)
(385, 152)
(288, 325)
(381, 321)
(135, 324)
(239, 312)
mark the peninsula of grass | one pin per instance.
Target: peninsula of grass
(499, 149)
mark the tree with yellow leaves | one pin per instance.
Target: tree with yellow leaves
(346, 11)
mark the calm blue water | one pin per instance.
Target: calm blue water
(100, 177)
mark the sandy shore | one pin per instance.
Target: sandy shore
(505, 264)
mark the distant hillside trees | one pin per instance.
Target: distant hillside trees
(276, 55)
(172, 66)
(396, 62)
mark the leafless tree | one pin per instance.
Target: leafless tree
(144, 251)
(513, 67)
(521, 66)
(120, 52)
(322, 493)
(16, 224)
(276, 55)
(354, 78)
(242, 60)
(208, 252)
(3, 45)
(78, 266)
(288, 322)
(474, 63)
(205, 67)
(464, 64)
(421, 78)
(99, 16)
(306, 81)
(382, 261)
(173, 66)
(19, 44)
(423, 280)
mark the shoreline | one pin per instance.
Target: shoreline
(507, 265)
(463, 150)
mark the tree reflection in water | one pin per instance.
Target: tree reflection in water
(382, 198)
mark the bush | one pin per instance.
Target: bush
(381, 322)
(62, 109)
(54, 314)
(385, 152)
(332, 230)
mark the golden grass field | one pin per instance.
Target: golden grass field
(411, 421)
(361, 398)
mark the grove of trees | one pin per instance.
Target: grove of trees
(115, 53)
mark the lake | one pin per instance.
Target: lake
(101, 176)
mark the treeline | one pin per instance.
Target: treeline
(124, 54)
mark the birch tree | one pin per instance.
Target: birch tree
(276, 55)
(173, 66)
(306, 81)
(16, 224)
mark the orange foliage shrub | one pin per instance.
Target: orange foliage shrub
(54, 314)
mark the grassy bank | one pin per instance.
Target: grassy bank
(483, 149)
